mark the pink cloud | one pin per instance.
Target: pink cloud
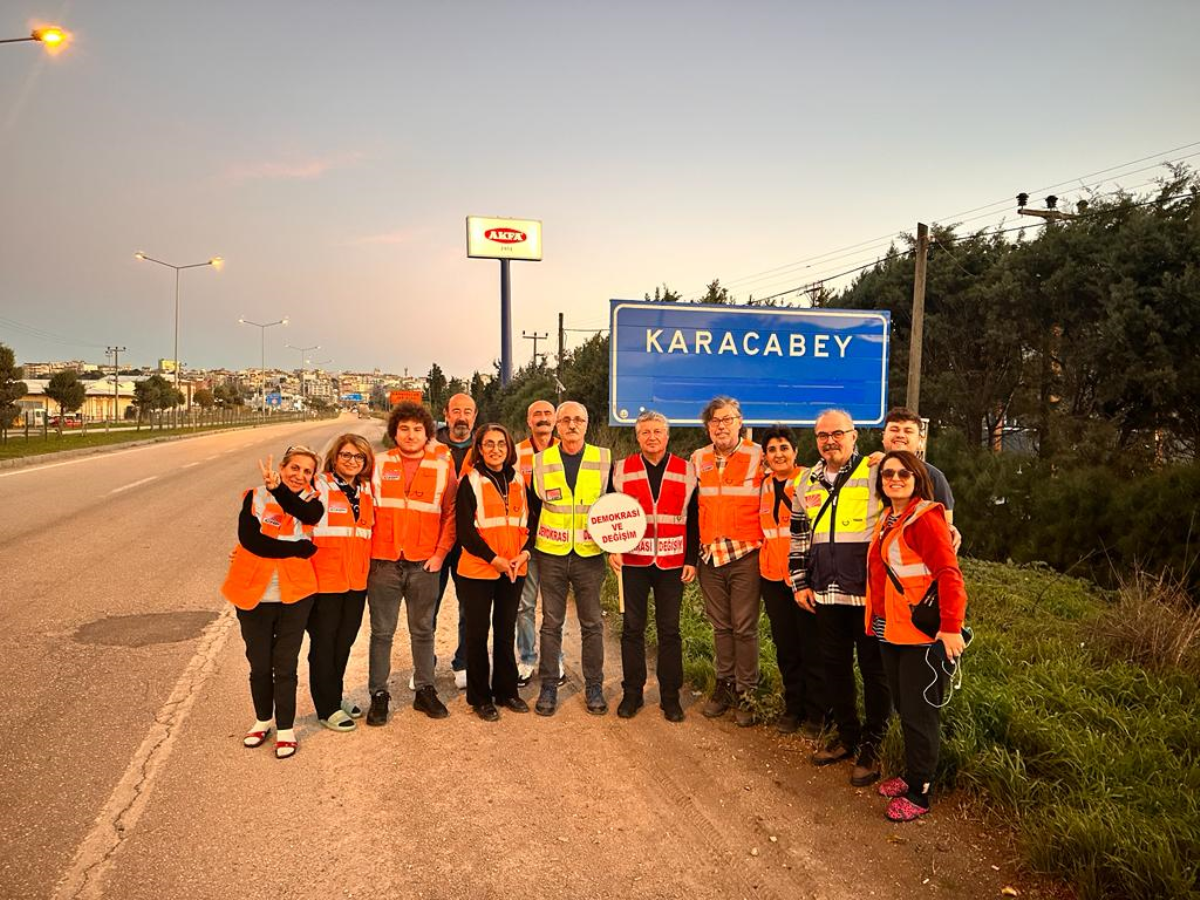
(291, 169)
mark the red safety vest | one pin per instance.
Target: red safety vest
(777, 534)
(504, 527)
(729, 497)
(663, 544)
(409, 524)
(909, 569)
(249, 575)
(343, 555)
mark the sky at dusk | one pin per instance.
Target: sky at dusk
(330, 152)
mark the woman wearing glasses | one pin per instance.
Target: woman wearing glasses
(911, 560)
(271, 582)
(492, 515)
(343, 559)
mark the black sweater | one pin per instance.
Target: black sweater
(250, 533)
(464, 513)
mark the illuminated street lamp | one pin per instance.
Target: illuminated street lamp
(216, 262)
(262, 337)
(303, 350)
(51, 37)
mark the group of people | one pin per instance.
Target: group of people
(853, 558)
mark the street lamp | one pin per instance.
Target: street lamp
(216, 262)
(303, 350)
(51, 37)
(262, 337)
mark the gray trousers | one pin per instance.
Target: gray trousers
(731, 595)
(584, 576)
(387, 584)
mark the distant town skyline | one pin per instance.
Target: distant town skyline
(331, 155)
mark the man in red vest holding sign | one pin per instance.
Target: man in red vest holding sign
(665, 560)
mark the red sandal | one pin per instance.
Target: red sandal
(904, 810)
(289, 749)
(893, 787)
(255, 739)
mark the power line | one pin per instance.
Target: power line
(43, 335)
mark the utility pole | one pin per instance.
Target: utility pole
(115, 353)
(562, 350)
(913, 399)
(535, 337)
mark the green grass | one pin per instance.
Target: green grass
(1096, 762)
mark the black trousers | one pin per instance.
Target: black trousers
(909, 675)
(332, 628)
(797, 652)
(841, 632)
(273, 633)
(490, 603)
(639, 581)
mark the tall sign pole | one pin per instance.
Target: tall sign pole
(916, 339)
(505, 240)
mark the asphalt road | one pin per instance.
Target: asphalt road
(123, 699)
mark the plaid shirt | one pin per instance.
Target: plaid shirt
(723, 551)
(800, 548)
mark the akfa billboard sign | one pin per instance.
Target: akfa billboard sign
(783, 365)
(489, 238)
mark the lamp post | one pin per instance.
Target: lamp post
(303, 350)
(51, 37)
(216, 262)
(262, 338)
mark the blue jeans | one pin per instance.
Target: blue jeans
(388, 583)
(527, 617)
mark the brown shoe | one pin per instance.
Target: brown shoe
(866, 769)
(743, 717)
(720, 701)
(835, 752)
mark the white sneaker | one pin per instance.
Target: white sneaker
(460, 679)
(524, 674)
(412, 685)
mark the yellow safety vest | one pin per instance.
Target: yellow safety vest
(562, 526)
(841, 537)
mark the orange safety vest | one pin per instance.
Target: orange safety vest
(525, 454)
(729, 496)
(468, 462)
(249, 575)
(777, 535)
(343, 555)
(502, 522)
(912, 573)
(663, 544)
(408, 524)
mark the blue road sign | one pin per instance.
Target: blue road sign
(782, 365)
(274, 399)
(352, 398)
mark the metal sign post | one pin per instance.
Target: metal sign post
(505, 240)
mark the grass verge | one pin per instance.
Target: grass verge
(1093, 758)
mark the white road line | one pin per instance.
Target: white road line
(132, 484)
(214, 456)
(189, 465)
(94, 857)
(72, 462)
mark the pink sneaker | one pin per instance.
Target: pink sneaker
(904, 810)
(893, 787)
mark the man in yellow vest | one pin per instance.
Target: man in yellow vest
(834, 510)
(730, 476)
(539, 418)
(568, 478)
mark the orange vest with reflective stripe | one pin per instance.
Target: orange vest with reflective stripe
(249, 575)
(504, 526)
(729, 497)
(912, 573)
(343, 555)
(666, 518)
(777, 535)
(525, 454)
(408, 524)
(468, 462)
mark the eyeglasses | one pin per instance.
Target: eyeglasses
(836, 435)
(494, 445)
(299, 448)
(573, 420)
(724, 421)
(346, 456)
(894, 474)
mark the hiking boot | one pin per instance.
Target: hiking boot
(427, 702)
(788, 723)
(378, 713)
(835, 752)
(811, 731)
(630, 704)
(595, 699)
(547, 700)
(743, 716)
(720, 701)
(866, 769)
(672, 711)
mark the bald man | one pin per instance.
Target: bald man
(539, 418)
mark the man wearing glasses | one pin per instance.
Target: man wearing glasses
(833, 517)
(730, 474)
(568, 478)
